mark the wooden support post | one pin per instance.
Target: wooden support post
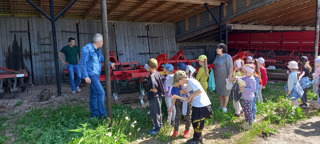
(12, 8)
(248, 3)
(187, 23)
(224, 11)
(316, 41)
(234, 6)
(198, 20)
(104, 17)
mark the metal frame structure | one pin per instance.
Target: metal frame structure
(53, 20)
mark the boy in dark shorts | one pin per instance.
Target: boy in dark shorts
(199, 100)
(155, 92)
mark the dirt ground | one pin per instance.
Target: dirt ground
(303, 132)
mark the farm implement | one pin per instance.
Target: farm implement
(278, 48)
(12, 80)
(130, 77)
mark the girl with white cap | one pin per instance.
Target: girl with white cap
(292, 80)
(264, 78)
(247, 93)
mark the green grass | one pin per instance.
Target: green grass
(226, 134)
(3, 127)
(72, 124)
(18, 103)
(257, 129)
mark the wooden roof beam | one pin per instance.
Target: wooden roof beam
(196, 33)
(12, 8)
(268, 28)
(87, 12)
(189, 15)
(67, 10)
(115, 6)
(149, 10)
(132, 10)
(285, 12)
(262, 10)
(40, 6)
(301, 18)
(210, 2)
(292, 16)
(189, 9)
(168, 10)
(310, 22)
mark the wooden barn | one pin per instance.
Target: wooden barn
(138, 29)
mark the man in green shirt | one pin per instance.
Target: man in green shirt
(71, 52)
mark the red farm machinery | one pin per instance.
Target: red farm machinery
(12, 80)
(131, 77)
(277, 47)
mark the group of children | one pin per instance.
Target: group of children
(182, 93)
(250, 79)
(299, 82)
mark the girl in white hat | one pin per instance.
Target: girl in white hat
(248, 91)
(293, 79)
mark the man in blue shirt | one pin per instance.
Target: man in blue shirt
(90, 63)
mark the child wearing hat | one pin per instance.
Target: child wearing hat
(178, 105)
(186, 108)
(305, 70)
(168, 68)
(248, 93)
(199, 100)
(264, 78)
(155, 90)
(292, 80)
(203, 72)
(249, 60)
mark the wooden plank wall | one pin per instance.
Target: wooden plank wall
(123, 38)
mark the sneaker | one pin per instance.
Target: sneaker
(220, 108)
(78, 89)
(175, 133)
(254, 121)
(148, 112)
(304, 106)
(224, 110)
(237, 115)
(186, 134)
(73, 92)
(153, 132)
